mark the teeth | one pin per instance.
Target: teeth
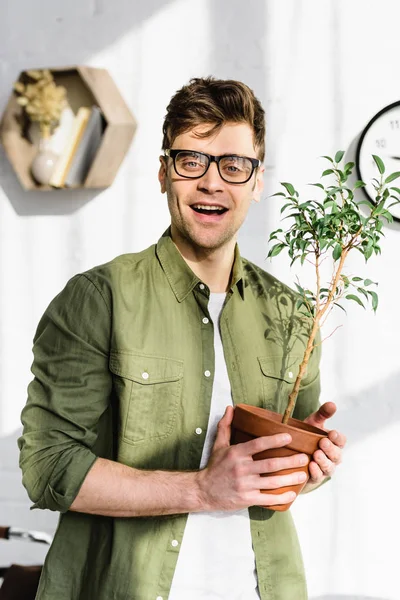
(202, 207)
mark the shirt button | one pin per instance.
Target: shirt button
(174, 543)
(202, 286)
(145, 375)
(207, 373)
(290, 374)
(205, 320)
(199, 430)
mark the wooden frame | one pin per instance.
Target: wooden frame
(85, 86)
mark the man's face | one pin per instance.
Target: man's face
(188, 199)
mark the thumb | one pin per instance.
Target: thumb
(223, 436)
(326, 411)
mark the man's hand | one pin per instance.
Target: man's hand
(232, 480)
(329, 453)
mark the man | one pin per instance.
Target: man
(137, 366)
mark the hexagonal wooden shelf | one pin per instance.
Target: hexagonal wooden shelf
(86, 86)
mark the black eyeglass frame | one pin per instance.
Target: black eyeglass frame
(173, 152)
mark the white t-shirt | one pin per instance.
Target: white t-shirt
(216, 560)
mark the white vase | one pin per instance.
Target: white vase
(44, 162)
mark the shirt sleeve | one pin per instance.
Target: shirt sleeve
(68, 397)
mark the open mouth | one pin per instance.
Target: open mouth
(209, 210)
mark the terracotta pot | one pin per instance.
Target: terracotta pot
(250, 422)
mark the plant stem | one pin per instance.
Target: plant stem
(302, 369)
(316, 325)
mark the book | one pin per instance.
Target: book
(64, 161)
(86, 151)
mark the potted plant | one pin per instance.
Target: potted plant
(332, 227)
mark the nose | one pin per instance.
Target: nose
(211, 182)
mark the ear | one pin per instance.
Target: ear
(258, 184)
(162, 174)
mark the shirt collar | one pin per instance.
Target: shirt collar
(180, 276)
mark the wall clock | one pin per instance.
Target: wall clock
(381, 136)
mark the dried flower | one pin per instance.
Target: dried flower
(41, 99)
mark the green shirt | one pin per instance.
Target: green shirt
(122, 364)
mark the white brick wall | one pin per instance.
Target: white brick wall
(15, 509)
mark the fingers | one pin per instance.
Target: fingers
(331, 449)
(273, 482)
(316, 475)
(326, 411)
(260, 444)
(337, 438)
(223, 436)
(273, 465)
(272, 499)
(326, 458)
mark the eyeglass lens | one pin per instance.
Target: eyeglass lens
(235, 169)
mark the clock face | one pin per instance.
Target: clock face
(381, 137)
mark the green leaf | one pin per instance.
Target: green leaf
(328, 158)
(288, 186)
(368, 253)
(363, 292)
(359, 184)
(356, 278)
(339, 155)
(339, 306)
(379, 208)
(337, 252)
(396, 189)
(355, 298)
(329, 202)
(367, 202)
(369, 282)
(275, 250)
(393, 203)
(284, 207)
(392, 177)
(278, 194)
(327, 172)
(348, 166)
(379, 164)
(374, 297)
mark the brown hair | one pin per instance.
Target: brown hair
(214, 101)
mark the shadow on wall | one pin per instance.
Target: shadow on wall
(58, 35)
(362, 418)
(63, 34)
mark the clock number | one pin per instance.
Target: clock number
(395, 124)
(381, 143)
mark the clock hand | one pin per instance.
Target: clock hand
(395, 157)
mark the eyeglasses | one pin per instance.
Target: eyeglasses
(193, 165)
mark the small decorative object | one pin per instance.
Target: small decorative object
(331, 227)
(43, 164)
(43, 102)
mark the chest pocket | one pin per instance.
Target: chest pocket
(148, 389)
(278, 374)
